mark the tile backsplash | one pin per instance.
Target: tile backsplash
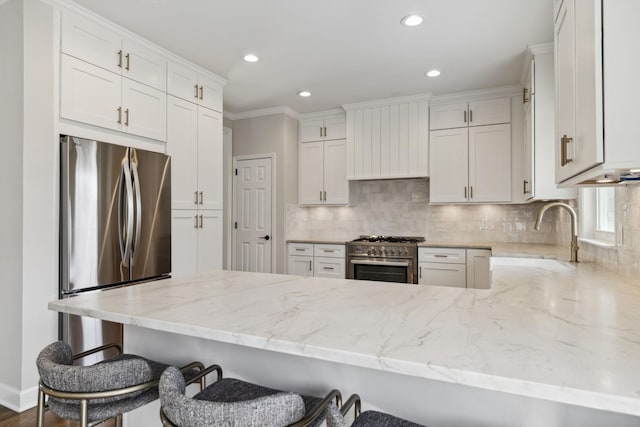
(400, 207)
(625, 256)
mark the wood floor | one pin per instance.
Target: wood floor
(8, 418)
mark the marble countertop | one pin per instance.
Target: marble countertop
(546, 329)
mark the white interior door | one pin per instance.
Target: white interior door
(253, 192)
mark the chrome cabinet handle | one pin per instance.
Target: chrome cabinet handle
(440, 256)
(320, 195)
(119, 115)
(320, 131)
(328, 268)
(465, 116)
(195, 197)
(471, 192)
(465, 192)
(195, 221)
(201, 220)
(325, 196)
(201, 197)
(420, 272)
(196, 94)
(525, 91)
(120, 58)
(126, 117)
(310, 266)
(201, 92)
(300, 249)
(470, 116)
(128, 58)
(524, 187)
(328, 251)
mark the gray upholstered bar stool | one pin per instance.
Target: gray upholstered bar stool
(335, 416)
(232, 402)
(92, 394)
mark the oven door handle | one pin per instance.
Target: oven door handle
(382, 263)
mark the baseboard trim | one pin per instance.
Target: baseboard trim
(18, 400)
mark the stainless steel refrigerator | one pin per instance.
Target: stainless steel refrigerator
(115, 227)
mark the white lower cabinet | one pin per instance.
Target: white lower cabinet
(196, 241)
(454, 267)
(319, 260)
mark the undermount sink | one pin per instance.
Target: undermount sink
(544, 263)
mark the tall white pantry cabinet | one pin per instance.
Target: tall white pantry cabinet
(111, 79)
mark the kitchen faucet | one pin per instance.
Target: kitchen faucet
(574, 225)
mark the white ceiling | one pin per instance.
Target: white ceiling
(343, 51)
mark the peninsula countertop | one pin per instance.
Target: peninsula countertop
(546, 329)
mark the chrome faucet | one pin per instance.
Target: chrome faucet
(574, 225)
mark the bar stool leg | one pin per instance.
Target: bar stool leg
(40, 422)
(84, 416)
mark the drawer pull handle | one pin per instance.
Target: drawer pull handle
(300, 249)
(441, 256)
(328, 268)
(328, 250)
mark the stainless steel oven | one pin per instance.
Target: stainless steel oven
(383, 258)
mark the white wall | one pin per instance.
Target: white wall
(29, 245)
(11, 108)
(40, 187)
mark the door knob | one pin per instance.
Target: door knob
(265, 237)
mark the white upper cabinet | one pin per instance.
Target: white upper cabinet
(321, 173)
(195, 143)
(475, 113)
(470, 152)
(101, 46)
(187, 83)
(388, 139)
(92, 95)
(324, 129)
(538, 101)
(596, 90)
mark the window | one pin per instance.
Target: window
(598, 212)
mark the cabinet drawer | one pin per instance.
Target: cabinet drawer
(442, 255)
(329, 251)
(328, 267)
(439, 274)
(300, 249)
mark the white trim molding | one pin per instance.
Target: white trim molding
(497, 92)
(18, 400)
(261, 113)
(387, 101)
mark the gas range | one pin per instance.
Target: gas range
(383, 258)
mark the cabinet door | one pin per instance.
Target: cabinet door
(182, 82)
(478, 268)
(209, 240)
(210, 94)
(144, 110)
(448, 165)
(329, 267)
(311, 130)
(310, 173)
(184, 243)
(490, 112)
(490, 163)
(300, 249)
(565, 77)
(144, 65)
(85, 39)
(437, 274)
(90, 94)
(448, 116)
(336, 186)
(300, 265)
(182, 146)
(528, 154)
(335, 128)
(209, 158)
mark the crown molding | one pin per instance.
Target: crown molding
(261, 113)
(532, 51)
(321, 114)
(497, 92)
(387, 101)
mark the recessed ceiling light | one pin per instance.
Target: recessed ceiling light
(251, 58)
(432, 73)
(412, 20)
(304, 93)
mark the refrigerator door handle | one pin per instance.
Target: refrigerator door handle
(127, 230)
(138, 207)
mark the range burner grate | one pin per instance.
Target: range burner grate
(389, 239)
